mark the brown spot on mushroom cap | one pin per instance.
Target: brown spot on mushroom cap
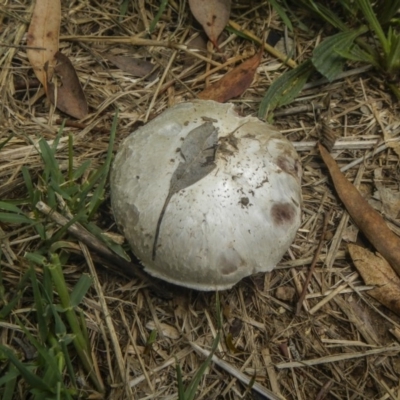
(287, 164)
(283, 213)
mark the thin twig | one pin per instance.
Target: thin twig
(336, 357)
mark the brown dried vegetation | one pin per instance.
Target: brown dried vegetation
(342, 345)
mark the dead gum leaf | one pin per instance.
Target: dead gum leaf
(365, 217)
(131, 65)
(68, 95)
(43, 33)
(376, 271)
(213, 15)
(234, 83)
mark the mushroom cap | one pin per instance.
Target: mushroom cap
(237, 220)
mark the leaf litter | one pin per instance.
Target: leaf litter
(235, 82)
(43, 38)
(213, 16)
(66, 93)
(346, 321)
(198, 153)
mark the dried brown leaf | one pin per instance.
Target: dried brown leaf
(213, 15)
(131, 65)
(68, 96)
(44, 33)
(198, 152)
(234, 83)
(167, 330)
(389, 198)
(365, 217)
(376, 271)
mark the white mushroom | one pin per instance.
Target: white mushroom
(206, 197)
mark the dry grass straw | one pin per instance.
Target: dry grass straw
(341, 339)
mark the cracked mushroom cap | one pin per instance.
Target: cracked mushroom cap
(206, 197)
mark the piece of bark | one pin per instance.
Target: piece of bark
(365, 217)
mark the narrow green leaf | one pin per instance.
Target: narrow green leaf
(10, 207)
(123, 9)
(152, 337)
(181, 390)
(284, 89)
(5, 311)
(325, 57)
(28, 183)
(98, 196)
(70, 156)
(81, 170)
(393, 58)
(326, 14)
(356, 53)
(68, 362)
(28, 375)
(369, 15)
(80, 290)
(42, 323)
(11, 218)
(395, 90)
(36, 258)
(59, 326)
(160, 12)
(10, 375)
(115, 247)
(386, 10)
(56, 140)
(2, 144)
(282, 13)
(9, 381)
(190, 392)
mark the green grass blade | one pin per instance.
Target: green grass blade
(51, 167)
(56, 140)
(386, 10)
(284, 89)
(369, 15)
(192, 389)
(326, 58)
(115, 247)
(10, 207)
(28, 183)
(68, 363)
(356, 53)
(29, 376)
(325, 13)
(160, 12)
(9, 382)
(393, 58)
(181, 390)
(98, 195)
(80, 290)
(81, 170)
(40, 314)
(190, 392)
(11, 218)
(123, 9)
(70, 157)
(2, 144)
(282, 13)
(12, 303)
